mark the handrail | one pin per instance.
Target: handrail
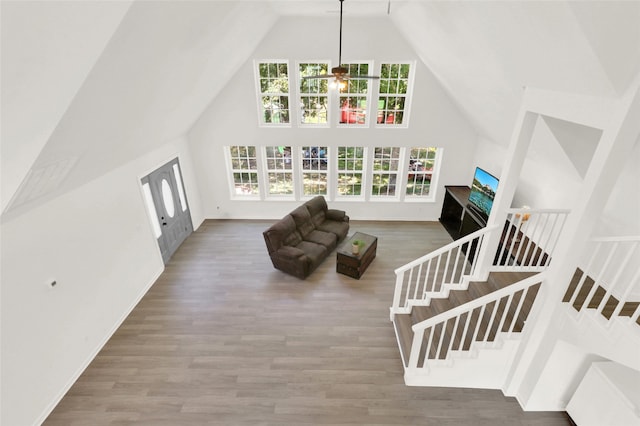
(441, 338)
(430, 274)
(479, 302)
(445, 249)
(627, 239)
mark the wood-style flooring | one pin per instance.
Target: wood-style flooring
(222, 338)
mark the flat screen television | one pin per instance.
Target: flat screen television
(483, 191)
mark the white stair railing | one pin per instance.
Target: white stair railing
(529, 239)
(489, 318)
(614, 265)
(437, 272)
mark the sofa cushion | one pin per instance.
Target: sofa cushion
(340, 229)
(327, 239)
(316, 253)
(317, 209)
(281, 233)
(302, 218)
(289, 252)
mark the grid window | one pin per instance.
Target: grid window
(279, 170)
(421, 168)
(273, 78)
(313, 93)
(350, 169)
(385, 171)
(244, 169)
(354, 95)
(314, 170)
(393, 92)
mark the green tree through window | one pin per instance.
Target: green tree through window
(244, 168)
(313, 93)
(350, 169)
(421, 169)
(274, 92)
(279, 170)
(385, 171)
(393, 92)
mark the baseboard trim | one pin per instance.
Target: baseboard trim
(47, 411)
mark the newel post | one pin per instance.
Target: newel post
(515, 157)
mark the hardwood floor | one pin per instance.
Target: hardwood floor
(222, 338)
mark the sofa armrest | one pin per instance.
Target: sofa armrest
(288, 252)
(339, 215)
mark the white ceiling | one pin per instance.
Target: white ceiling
(92, 85)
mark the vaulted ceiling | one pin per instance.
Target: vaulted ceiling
(89, 86)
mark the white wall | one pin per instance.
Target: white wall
(48, 50)
(232, 119)
(549, 179)
(97, 244)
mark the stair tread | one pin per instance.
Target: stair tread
(583, 284)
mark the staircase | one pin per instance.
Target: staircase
(454, 329)
(583, 293)
(480, 327)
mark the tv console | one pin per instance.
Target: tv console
(456, 216)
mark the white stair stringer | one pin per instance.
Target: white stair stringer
(479, 368)
(617, 339)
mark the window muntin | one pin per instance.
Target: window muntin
(350, 171)
(279, 170)
(273, 80)
(314, 93)
(354, 96)
(393, 94)
(422, 162)
(244, 170)
(314, 170)
(385, 171)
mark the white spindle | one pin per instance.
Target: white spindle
(614, 282)
(415, 349)
(505, 313)
(491, 320)
(583, 278)
(453, 335)
(598, 277)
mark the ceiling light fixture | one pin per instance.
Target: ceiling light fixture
(340, 73)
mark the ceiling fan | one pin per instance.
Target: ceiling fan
(340, 73)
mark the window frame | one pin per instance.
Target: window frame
(363, 173)
(259, 94)
(398, 186)
(299, 94)
(319, 170)
(231, 171)
(267, 172)
(434, 172)
(408, 96)
(368, 110)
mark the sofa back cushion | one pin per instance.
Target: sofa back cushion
(317, 209)
(282, 233)
(302, 217)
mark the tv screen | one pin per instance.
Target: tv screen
(483, 191)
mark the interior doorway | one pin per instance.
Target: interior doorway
(167, 203)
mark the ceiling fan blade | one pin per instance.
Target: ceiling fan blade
(306, 77)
